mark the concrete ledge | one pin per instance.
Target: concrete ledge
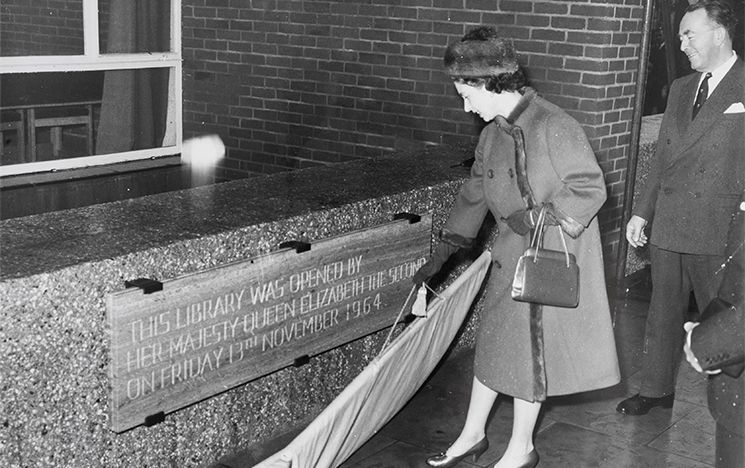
(57, 269)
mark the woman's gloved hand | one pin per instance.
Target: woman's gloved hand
(522, 221)
(439, 256)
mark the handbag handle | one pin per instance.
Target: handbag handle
(537, 239)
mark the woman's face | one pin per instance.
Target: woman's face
(485, 103)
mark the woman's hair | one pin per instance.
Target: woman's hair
(718, 11)
(510, 81)
(481, 56)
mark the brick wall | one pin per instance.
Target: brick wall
(41, 27)
(584, 57)
(296, 83)
(290, 84)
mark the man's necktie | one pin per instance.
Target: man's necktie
(703, 91)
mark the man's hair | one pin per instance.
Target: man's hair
(718, 11)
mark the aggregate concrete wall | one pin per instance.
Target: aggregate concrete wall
(58, 268)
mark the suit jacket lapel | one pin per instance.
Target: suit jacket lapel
(685, 110)
(725, 94)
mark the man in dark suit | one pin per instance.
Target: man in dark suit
(716, 346)
(693, 187)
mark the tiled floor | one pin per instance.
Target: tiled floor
(576, 431)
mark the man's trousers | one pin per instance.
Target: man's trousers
(674, 276)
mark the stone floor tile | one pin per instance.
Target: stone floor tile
(566, 445)
(691, 386)
(398, 455)
(634, 430)
(576, 431)
(373, 447)
(691, 437)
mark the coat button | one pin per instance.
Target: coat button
(490, 174)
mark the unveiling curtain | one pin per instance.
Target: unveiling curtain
(387, 383)
(134, 102)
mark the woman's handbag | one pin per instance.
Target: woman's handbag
(543, 276)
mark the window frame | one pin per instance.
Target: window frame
(93, 60)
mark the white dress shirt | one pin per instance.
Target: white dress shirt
(718, 73)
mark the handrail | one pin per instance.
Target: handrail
(633, 148)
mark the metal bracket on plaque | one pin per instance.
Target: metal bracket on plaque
(299, 246)
(413, 218)
(154, 419)
(467, 163)
(301, 361)
(147, 285)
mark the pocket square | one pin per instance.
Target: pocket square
(735, 108)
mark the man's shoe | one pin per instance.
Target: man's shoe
(638, 404)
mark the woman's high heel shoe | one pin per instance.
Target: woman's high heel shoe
(531, 460)
(445, 461)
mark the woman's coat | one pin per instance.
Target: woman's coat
(579, 347)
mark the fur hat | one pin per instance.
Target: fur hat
(481, 53)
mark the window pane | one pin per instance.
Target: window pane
(134, 27)
(51, 116)
(41, 27)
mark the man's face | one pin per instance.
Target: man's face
(698, 36)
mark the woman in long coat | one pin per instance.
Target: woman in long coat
(577, 352)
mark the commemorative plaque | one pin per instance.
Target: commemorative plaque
(203, 333)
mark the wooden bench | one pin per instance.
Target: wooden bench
(13, 122)
(69, 114)
(53, 101)
(55, 117)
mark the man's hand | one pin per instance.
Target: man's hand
(635, 231)
(689, 326)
